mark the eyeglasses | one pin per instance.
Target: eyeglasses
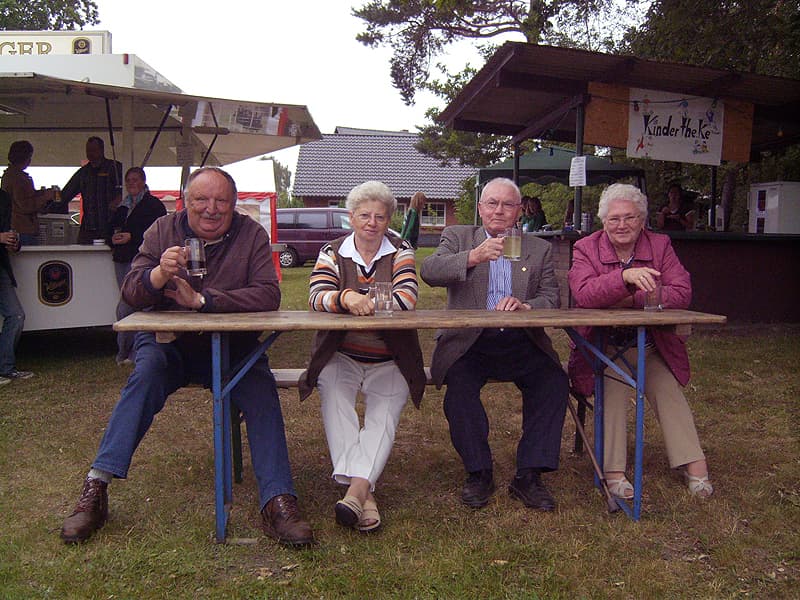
(506, 206)
(365, 217)
(617, 221)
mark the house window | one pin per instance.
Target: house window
(434, 214)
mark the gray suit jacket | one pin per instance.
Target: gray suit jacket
(533, 280)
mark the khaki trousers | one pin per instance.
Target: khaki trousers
(664, 394)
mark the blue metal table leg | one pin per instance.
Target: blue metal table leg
(639, 459)
(599, 403)
(223, 487)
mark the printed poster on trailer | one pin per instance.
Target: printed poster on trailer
(663, 126)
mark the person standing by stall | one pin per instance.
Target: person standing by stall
(10, 308)
(411, 224)
(26, 201)
(138, 210)
(99, 182)
(678, 214)
(533, 217)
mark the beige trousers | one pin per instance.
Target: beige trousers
(664, 394)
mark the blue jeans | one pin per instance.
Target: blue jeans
(159, 370)
(124, 338)
(13, 320)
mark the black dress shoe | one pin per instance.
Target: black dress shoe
(89, 515)
(478, 488)
(528, 488)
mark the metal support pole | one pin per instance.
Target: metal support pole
(579, 124)
(713, 209)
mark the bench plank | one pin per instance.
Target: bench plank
(289, 378)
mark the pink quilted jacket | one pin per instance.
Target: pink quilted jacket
(595, 280)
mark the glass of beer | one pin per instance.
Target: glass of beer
(195, 257)
(512, 244)
(381, 294)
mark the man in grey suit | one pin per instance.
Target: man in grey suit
(469, 263)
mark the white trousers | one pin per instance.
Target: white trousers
(360, 451)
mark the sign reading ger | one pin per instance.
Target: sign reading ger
(38, 43)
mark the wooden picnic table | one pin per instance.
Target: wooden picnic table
(220, 325)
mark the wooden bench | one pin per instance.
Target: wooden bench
(289, 378)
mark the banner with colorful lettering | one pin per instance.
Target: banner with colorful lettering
(666, 126)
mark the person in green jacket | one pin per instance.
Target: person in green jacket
(533, 217)
(410, 230)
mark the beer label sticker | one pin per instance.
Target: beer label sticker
(55, 283)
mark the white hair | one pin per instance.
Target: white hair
(504, 181)
(371, 190)
(621, 191)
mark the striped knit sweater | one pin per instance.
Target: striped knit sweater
(326, 288)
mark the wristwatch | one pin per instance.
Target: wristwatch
(202, 302)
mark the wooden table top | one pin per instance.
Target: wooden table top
(298, 320)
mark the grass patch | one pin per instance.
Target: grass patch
(158, 543)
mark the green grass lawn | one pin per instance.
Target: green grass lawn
(158, 543)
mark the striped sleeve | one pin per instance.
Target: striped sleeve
(323, 287)
(404, 278)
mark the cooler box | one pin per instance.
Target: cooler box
(57, 230)
(774, 207)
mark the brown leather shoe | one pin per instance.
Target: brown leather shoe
(282, 520)
(89, 515)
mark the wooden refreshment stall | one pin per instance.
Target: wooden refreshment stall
(57, 101)
(683, 113)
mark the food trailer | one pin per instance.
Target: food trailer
(58, 101)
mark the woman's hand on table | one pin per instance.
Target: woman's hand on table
(358, 304)
(644, 278)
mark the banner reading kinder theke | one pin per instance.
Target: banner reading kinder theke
(665, 126)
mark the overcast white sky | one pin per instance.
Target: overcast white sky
(290, 51)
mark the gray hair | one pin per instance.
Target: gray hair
(195, 174)
(621, 191)
(371, 190)
(504, 181)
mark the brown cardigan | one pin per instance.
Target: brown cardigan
(403, 344)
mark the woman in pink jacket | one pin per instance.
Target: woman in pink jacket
(615, 268)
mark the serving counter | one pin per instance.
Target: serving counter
(61, 287)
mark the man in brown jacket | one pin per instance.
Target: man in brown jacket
(240, 278)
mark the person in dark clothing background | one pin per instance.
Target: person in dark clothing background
(138, 210)
(10, 308)
(99, 182)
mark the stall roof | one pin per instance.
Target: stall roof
(57, 115)
(532, 90)
(552, 164)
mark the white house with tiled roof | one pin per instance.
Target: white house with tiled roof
(329, 168)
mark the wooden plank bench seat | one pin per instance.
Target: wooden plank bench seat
(289, 378)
